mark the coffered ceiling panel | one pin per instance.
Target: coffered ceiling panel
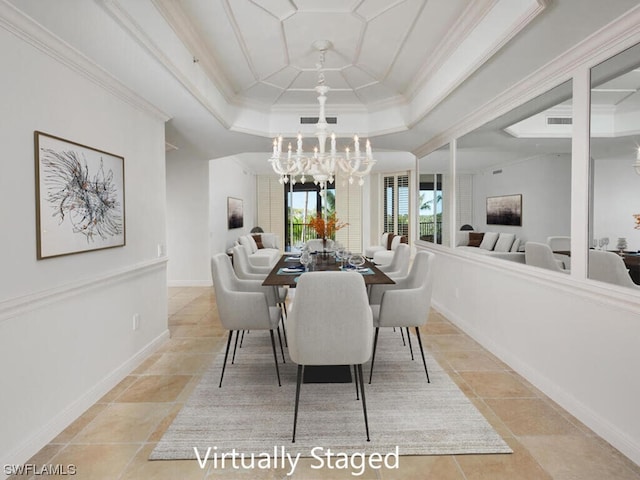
(357, 78)
(309, 79)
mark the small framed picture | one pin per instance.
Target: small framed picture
(235, 217)
(79, 197)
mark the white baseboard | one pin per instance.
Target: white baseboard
(570, 403)
(56, 425)
(189, 283)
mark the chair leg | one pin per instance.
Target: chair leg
(364, 403)
(281, 349)
(295, 413)
(284, 329)
(373, 356)
(242, 338)
(404, 344)
(409, 340)
(422, 352)
(355, 380)
(235, 347)
(226, 354)
(275, 356)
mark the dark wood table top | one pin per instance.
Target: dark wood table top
(322, 264)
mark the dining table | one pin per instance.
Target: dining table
(288, 269)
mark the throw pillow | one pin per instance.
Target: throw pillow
(516, 245)
(489, 240)
(390, 238)
(258, 240)
(252, 244)
(475, 239)
(505, 240)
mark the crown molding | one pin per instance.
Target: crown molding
(28, 30)
(611, 39)
(125, 20)
(464, 25)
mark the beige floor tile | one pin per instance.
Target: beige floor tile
(519, 465)
(494, 420)
(437, 467)
(154, 388)
(531, 416)
(118, 389)
(439, 328)
(579, 458)
(141, 468)
(471, 361)
(162, 426)
(496, 384)
(455, 342)
(146, 364)
(124, 422)
(96, 462)
(180, 363)
(194, 345)
(80, 423)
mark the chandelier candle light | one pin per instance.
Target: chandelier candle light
(321, 165)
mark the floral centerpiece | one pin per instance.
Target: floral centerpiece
(326, 228)
(637, 217)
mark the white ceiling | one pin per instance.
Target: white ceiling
(232, 73)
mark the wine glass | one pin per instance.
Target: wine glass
(606, 242)
(305, 258)
(340, 256)
(601, 242)
(356, 260)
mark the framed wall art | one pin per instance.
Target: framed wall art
(235, 216)
(504, 210)
(79, 197)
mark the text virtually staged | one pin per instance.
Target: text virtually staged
(279, 457)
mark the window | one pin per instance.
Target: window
(396, 210)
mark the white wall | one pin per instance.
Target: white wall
(616, 188)
(66, 333)
(573, 340)
(188, 219)
(228, 177)
(545, 185)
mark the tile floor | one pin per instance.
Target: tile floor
(113, 439)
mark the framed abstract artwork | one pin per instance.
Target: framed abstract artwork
(79, 197)
(235, 216)
(504, 210)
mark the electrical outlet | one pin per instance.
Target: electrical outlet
(161, 250)
(136, 321)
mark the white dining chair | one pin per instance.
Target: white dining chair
(330, 324)
(243, 305)
(540, 255)
(406, 304)
(246, 271)
(609, 267)
(561, 244)
(399, 265)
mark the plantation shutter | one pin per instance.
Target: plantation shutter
(349, 209)
(270, 208)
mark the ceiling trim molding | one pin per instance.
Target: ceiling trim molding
(184, 30)
(460, 30)
(611, 39)
(129, 24)
(440, 94)
(27, 29)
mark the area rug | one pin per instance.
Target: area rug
(250, 414)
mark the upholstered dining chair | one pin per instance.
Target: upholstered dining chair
(330, 324)
(399, 265)
(246, 271)
(561, 244)
(243, 305)
(609, 267)
(406, 304)
(540, 255)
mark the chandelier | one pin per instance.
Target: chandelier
(321, 165)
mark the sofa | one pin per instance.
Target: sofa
(263, 248)
(505, 246)
(383, 254)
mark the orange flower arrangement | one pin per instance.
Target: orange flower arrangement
(637, 217)
(326, 229)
